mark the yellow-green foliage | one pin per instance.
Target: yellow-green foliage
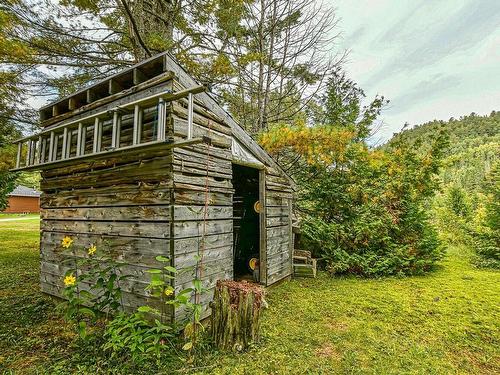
(361, 208)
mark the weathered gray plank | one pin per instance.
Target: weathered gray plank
(120, 248)
(118, 228)
(201, 181)
(182, 196)
(183, 229)
(120, 195)
(182, 246)
(157, 169)
(126, 213)
(183, 213)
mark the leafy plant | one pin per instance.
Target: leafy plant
(161, 287)
(149, 331)
(132, 334)
(103, 296)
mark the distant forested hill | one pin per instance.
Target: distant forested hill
(474, 147)
(467, 207)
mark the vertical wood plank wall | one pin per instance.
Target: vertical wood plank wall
(191, 166)
(279, 196)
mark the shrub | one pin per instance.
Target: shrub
(132, 335)
(363, 209)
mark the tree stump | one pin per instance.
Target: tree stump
(236, 311)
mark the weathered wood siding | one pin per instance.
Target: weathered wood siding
(151, 202)
(201, 174)
(278, 197)
(122, 205)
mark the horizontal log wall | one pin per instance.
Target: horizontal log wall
(121, 205)
(202, 174)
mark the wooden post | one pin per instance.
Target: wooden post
(262, 228)
(71, 104)
(79, 139)
(64, 152)
(236, 311)
(51, 146)
(190, 116)
(19, 150)
(30, 150)
(161, 120)
(138, 76)
(56, 145)
(96, 147)
(136, 135)
(84, 140)
(38, 157)
(44, 148)
(115, 137)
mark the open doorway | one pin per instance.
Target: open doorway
(246, 225)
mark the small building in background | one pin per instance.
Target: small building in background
(23, 200)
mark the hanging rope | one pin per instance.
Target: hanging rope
(201, 248)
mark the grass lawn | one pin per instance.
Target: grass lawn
(446, 322)
(18, 216)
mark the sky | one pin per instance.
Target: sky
(433, 59)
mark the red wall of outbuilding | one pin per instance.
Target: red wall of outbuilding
(23, 204)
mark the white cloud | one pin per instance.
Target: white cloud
(432, 59)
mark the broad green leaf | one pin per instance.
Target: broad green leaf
(161, 258)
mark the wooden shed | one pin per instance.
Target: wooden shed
(147, 163)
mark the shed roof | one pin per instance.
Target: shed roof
(24, 191)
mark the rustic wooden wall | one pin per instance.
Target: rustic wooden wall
(150, 203)
(121, 204)
(202, 174)
(279, 240)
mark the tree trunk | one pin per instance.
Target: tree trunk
(236, 311)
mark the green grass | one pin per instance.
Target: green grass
(18, 216)
(446, 322)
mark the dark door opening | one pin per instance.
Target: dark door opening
(246, 228)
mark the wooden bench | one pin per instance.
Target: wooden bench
(304, 265)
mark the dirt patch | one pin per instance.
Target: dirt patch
(327, 350)
(336, 325)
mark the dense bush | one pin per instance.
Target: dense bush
(373, 222)
(362, 209)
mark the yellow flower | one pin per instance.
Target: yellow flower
(92, 249)
(169, 292)
(70, 280)
(66, 242)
